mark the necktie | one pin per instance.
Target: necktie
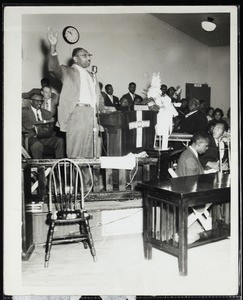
(38, 115)
(47, 106)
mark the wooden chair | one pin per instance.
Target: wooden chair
(200, 214)
(66, 206)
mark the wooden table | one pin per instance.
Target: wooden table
(166, 206)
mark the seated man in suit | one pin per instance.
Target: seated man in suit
(50, 102)
(131, 97)
(189, 163)
(193, 122)
(210, 159)
(38, 123)
(109, 99)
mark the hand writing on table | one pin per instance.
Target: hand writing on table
(213, 165)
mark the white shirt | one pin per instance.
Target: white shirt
(87, 91)
(111, 97)
(194, 151)
(35, 112)
(220, 144)
(47, 104)
(132, 95)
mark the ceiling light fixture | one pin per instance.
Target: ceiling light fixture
(208, 25)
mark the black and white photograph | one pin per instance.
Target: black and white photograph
(121, 151)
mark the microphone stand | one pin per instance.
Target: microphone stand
(95, 130)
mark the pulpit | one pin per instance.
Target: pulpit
(131, 131)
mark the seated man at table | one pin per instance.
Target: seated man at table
(38, 123)
(210, 159)
(194, 121)
(189, 163)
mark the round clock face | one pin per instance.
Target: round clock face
(70, 34)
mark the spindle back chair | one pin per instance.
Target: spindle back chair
(66, 206)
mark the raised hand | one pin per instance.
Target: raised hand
(52, 36)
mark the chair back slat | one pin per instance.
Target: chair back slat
(60, 180)
(71, 177)
(66, 186)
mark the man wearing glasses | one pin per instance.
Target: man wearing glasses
(79, 100)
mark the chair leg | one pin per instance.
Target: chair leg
(49, 243)
(90, 240)
(83, 232)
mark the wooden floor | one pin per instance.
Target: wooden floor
(122, 270)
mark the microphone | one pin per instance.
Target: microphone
(94, 69)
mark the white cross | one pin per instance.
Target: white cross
(139, 125)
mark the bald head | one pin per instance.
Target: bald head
(193, 104)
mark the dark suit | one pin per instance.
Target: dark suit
(46, 137)
(137, 99)
(189, 164)
(194, 123)
(108, 102)
(211, 154)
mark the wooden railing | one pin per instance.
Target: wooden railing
(108, 184)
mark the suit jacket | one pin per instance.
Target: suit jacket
(189, 164)
(131, 101)
(29, 121)
(211, 154)
(194, 123)
(70, 89)
(108, 102)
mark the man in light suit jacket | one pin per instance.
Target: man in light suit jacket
(38, 123)
(109, 98)
(189, 163)
(131, 97)
(79, 100)
(50, 102)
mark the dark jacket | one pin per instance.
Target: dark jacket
(137, 99)
(29, 121)
(211, 154)
(107, 101)
(196, 122)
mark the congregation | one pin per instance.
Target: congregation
(52, 122)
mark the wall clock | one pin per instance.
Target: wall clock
(70, 34)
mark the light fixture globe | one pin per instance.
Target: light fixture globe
(208, 25)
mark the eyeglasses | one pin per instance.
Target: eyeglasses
(85, 55)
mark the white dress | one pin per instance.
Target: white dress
(165, 119)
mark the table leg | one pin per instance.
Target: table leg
(147, 227)
(147, 250)
(214, 215)
(182, 259)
